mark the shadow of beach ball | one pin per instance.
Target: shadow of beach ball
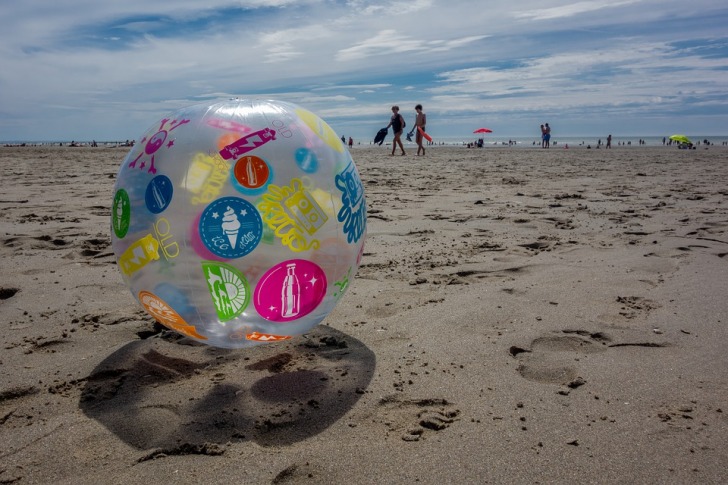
(239, 223)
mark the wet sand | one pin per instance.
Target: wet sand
(520, 316)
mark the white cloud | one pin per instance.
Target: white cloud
(390, 41)
(572, 9)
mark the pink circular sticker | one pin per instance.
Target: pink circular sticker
(290, 290)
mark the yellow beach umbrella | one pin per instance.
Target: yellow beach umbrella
(680, 139)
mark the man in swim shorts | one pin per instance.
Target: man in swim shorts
(546, 135)
(420, 122)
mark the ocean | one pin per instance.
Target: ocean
(491, 140)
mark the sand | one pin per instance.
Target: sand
(520, 316)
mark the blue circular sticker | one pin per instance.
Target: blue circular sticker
(231, 227)
(306, 160)
(159, 194)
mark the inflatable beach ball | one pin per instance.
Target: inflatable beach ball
(240, 222)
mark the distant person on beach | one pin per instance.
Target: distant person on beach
(543, 137)
(420, 122)
(547, 135)
(351, 142)
(397, 123)
(609, 141)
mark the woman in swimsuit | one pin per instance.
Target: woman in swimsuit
(397, 123)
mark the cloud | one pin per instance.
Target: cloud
(572, 9)
(627, 77)
(390, 41)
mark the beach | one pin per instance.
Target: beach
(519, 316)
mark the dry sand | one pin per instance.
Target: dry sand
(520, 316)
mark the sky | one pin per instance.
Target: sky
(86, 69)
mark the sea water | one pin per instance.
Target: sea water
(491, 140)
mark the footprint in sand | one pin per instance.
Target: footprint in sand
(37, 242)
(413, 419)
(392, 304)
(634, 306)
(549, 358)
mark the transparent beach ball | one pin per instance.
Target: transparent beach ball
(240, 222)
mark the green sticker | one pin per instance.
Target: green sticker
(121, 214)
(228, 288)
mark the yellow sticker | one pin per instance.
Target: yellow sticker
(293, 215)
(139, 254)
(206, 178)
(323, 130)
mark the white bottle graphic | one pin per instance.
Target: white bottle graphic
(290, 293)
(250, 172)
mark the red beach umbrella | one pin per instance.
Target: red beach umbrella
(483, 130)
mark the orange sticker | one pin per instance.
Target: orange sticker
(266, 337)
(226, 140)
(165, 315)
(251, 172)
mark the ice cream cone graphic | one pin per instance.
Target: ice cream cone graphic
(231, 226)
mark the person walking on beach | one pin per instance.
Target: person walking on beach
(543, 137)
(420, 122)
(609, 141)
(397, 123)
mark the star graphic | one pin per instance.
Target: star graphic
(243, 212)
(171, 142)
(215, 215)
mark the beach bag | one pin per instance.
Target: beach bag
(381, 135)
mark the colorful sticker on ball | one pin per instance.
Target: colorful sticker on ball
(322, 129)
(228, 288)
(121, 213)
(306, 160)
(353, 212)
(139, 254)
(247, 143)
(166, 238)
(266, 337)
(230, 227)
(206, 178)
(159, 194)
(159, 309)
(293, 214)
(154, 143)
(290, 290)
(251, 175)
